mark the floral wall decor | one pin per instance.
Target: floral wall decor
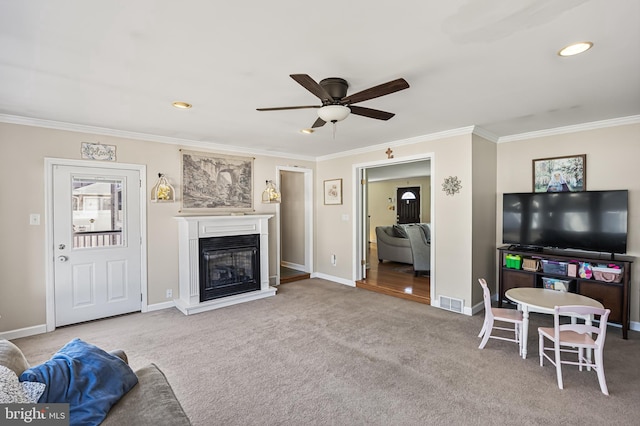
(451, 185)
(98, 151)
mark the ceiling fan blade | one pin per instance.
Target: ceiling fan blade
(377, 91)
(371, 113)
(310, 84)
(290, 107)
(318, 123)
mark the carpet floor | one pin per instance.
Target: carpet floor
(320, 353)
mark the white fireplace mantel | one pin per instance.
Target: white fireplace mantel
(190, 230)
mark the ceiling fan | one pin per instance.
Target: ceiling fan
(336, 105)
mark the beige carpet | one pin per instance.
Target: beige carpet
(321, 353)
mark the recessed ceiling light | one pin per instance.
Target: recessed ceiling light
(307, 131)
(575, 48)
(182, 105)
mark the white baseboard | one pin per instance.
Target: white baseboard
(23, 332)
(293, 266)
(334, 279)
(161, 306)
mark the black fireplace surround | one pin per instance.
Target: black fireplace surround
(229, 265)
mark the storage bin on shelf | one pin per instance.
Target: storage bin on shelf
(554, 267)
(513, 261)
(530, 264)
(607, 274)
(555, 284)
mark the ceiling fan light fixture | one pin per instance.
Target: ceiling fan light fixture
(575, 48)
(333, 113)
(307, 131)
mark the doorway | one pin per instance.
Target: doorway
(374, 208)
(295, 224)
(96, 250)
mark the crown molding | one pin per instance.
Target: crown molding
(401, 142)
(80, 128)
(622, 121)
(479, 131)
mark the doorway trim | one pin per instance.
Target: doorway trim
(360, 214)
(308, 219)
(49, 164)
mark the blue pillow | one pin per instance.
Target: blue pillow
(89, 379)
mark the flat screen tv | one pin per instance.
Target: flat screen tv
(590, 220)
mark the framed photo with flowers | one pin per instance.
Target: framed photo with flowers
(333, 191)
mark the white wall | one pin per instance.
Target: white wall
(460, 250)
(612, 163)
(452, 232)
(484, 215)
(22, 286)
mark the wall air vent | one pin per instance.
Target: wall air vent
(451, 304)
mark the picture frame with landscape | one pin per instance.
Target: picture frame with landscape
(216, 182)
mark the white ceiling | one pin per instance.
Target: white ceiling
(490, 63)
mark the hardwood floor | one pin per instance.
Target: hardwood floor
(288, 275)
(395, 279)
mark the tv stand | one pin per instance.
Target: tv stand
(614, 296)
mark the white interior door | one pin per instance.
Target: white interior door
(97, 242)
(363, 231)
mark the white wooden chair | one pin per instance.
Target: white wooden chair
(491, 315)
(578, 337)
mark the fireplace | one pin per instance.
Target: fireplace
(229, 265)
(223, 260)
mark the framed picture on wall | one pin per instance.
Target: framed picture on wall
(333, 191)
(560, 174)
(218, 182)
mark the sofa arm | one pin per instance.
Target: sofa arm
(150, 402)
(12, 357)
(385, 238)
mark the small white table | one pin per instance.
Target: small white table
(544, 301)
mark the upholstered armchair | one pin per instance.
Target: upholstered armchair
(419, 235)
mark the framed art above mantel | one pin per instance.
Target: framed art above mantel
(216, 182)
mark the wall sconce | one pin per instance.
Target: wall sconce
(271, 194)
(162, 190)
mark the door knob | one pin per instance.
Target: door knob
(62, 258)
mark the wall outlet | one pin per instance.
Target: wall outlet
(34, 219)
(333, 259)
(169, 293)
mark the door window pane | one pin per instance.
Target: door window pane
(97, 212)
